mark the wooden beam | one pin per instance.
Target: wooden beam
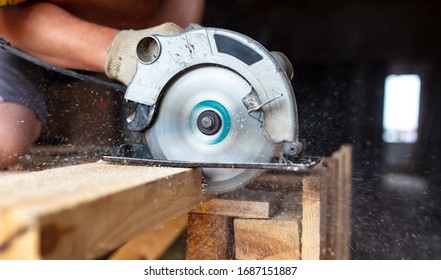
(311, 219)
(243, 204)
(85, 211)
(343, 223)
(266, 239)
(329, 181)
(154, 243)
(235, 208)
(209, 237)
(335, 200)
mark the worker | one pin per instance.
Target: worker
(92, 35)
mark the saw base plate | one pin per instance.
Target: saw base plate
(296, 165)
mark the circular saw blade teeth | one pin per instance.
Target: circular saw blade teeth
(176, 134)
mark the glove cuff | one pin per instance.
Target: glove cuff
(121, 57)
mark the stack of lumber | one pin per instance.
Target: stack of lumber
(86, 211)
(90, 210)
(281, 216)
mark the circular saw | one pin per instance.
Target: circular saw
(215, 99)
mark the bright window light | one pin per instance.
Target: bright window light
(401, 108)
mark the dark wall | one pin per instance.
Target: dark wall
(342, 51)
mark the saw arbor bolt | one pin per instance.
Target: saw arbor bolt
(209, 122)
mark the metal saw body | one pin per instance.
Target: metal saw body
(213, 95)
(203, 47)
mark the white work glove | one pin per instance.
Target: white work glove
(121, 55)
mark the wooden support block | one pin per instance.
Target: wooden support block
(335, 204)
(344, 157)
(235, 208)
(311, 219)
(243, 204)
(18, 237)
(317, 202)
(328, 182)
(209, 237)
(85, 211)
(152, 244)
(266, 239)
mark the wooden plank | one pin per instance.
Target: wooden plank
(209, 237)
(41, 157)
(337, 179)
(152, 244)
(266, 239)
(329, 181)
(235, 208)
(18, 240)
(276, 180)
(84, 211)
(243, 203)
(344, 156)
(324, 208)
(311, 222)
(347, 162)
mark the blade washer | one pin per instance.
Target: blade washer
(221, 122)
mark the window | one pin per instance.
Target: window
(401, 108)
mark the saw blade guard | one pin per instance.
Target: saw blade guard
(163, 59)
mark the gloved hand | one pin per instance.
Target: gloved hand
(121, 56)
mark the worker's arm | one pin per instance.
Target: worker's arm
(55, 36)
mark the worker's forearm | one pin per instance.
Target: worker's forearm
(51, 34)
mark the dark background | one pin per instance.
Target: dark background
(342, 51)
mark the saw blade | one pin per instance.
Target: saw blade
(202, 118)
